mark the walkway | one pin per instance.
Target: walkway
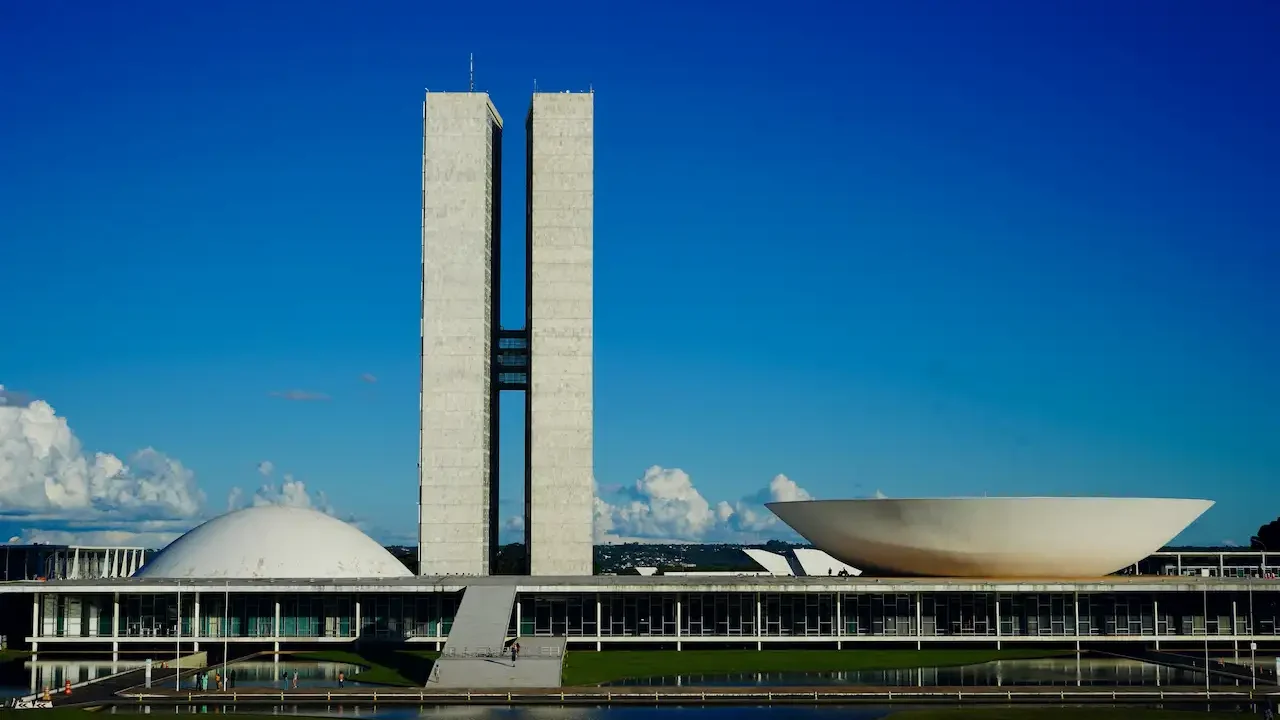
(106, 690)
(474, 652)
(539, 665)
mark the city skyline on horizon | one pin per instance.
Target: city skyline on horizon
(924, 255)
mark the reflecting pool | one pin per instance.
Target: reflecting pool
(25, 677)
(280, 673)
(1107, 672)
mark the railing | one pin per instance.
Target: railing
(491, 652)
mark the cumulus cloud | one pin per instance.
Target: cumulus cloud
(512, 529)
(43, 470)
(290, 491)
(54, 491)
(298, 395)
(50, 484)
(664, 505)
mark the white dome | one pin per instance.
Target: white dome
(999, 537)
(274, 541)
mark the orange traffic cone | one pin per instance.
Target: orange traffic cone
(66, 688)
(46, 695)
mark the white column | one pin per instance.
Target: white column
(520, 617)
(679, 608)
(599, 622)
(356, 629)
(759, 624)
(997, 621)
(1155, 610)
(115, 615)
(839, 620)
(35, 622)
(75, 564)
(919, 621)
(1075, 618)
(195, 623)
(1235, 646)
(275, 629)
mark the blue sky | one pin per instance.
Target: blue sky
(928, 248)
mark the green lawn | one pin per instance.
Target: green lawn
(400, 668)
(1050, 713)
(593, 668)
(10, 655)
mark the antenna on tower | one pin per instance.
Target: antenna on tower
(471, 72)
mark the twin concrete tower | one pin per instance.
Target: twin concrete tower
(468, 358)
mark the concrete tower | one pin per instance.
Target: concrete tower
(559, 447)
(461, 201)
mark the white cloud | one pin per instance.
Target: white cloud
(664, 505)
(49, 484)
(53, 491)
(512, 529)
(291, 491)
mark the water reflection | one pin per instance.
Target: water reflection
(1048, 671)
(20, 678)
(279, 674)
(613, 712)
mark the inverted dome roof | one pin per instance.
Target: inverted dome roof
(274, 541)
(998, 537)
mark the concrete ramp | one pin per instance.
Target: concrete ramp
(540, 665)
(480, 627)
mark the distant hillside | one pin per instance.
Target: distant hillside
(624, 556)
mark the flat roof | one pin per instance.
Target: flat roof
(638, 583)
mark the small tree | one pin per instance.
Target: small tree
(1268, 537)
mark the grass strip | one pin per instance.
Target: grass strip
(593, 668)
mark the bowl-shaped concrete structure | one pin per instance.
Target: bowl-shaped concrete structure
(1066, 537)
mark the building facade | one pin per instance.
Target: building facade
(1221, 614)
(461, 217)
(560, 200)
(468, 358)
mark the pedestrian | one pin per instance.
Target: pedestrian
(231, 680)
(341, 678)
(295, 679)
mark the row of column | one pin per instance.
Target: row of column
(919, 620)
(117, 562)
(195, 623)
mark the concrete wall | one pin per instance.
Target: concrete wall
(460, 220)
(559, 457)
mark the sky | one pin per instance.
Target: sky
(919, 248)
